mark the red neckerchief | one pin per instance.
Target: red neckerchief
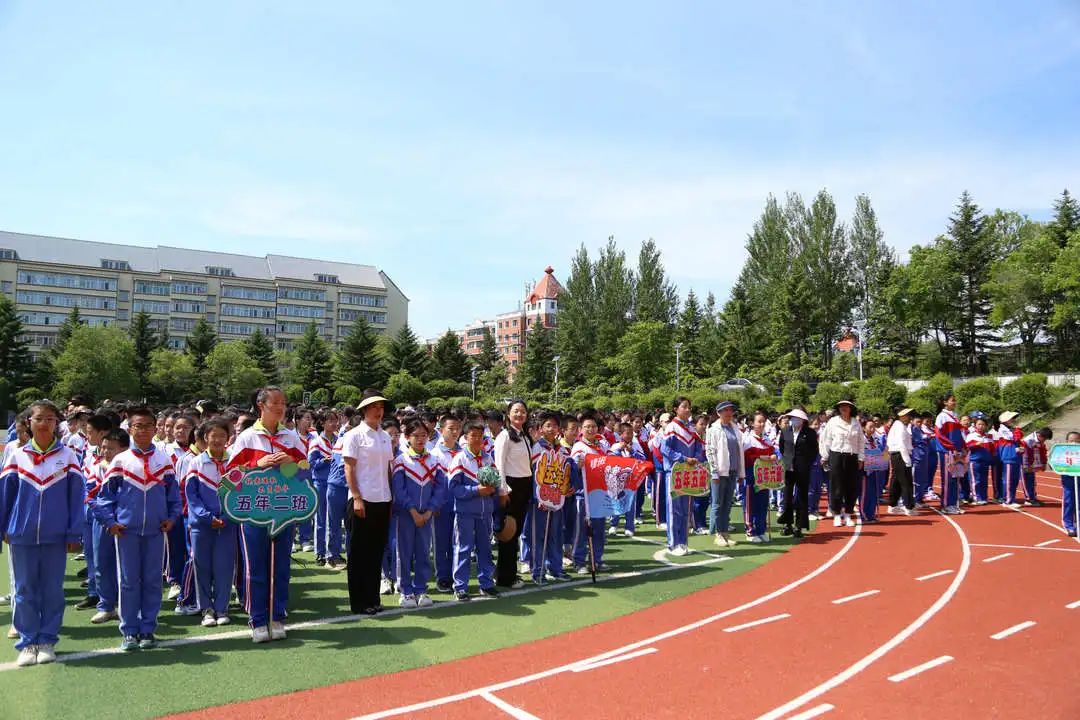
(219, 464)
(145, 456)
(40, 457)
(422, 459)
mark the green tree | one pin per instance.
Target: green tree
(146, 341)
(357, 361)
(688, 333)
(232, 373)
(171, 375)
(1020, 287)
(640, 362)
(98, 362)
(871, 258)
(614, 284)
(1066, 219)
(44, 376)
(575, 337)
(15, 362)
(493, 382)
(404, 387)
(489, 351)
(972, 251)
(537, 369)
(405, 353)
(312, 366)
(655, 298)
(1065, 321)
(711, 341)
(448, 360)
(261, 351)
(201, 343)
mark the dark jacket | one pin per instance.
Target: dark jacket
(799, 455)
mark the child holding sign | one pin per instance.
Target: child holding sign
(756, 502)
(587, 528)
(551, 468)
(1069, 491)
(681, 444)
(474, 510)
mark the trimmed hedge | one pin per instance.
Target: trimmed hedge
(828, 394)
(795, 393)
(988, 404)
(1027, 394)
(984, 386)
(880, 396)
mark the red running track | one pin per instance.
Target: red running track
(703, 656)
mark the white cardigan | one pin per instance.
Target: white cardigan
(716, 452)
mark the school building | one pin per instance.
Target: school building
(237, 294)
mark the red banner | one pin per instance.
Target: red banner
(611, 483)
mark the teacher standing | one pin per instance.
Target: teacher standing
(798, 449)
(512, 459)
(367, 452)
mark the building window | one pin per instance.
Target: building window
(80, 282)
(219, 271)
(250, 311)
(188, 287)
(125, 296)
(88, 302)
(182, 324)
(159, 307)
(293, 328)
(332, 279)
(211, 317)
(248, 293)
(8, 286)
(8, 254)
(211, 300)
(188, 306)
(295, 293)
(350, 298)
(108, 264)
(301, 311)
(241, 328)
(377, 318)
(149, 287)
(177, 343)
(45, 318)
(121, 314)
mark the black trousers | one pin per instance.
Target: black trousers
(521, 495)
(901, 482)
(368, 537)
(843, 482)
(798, 484)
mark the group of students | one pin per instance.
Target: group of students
(420, 497)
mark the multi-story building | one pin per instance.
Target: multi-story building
(511, 328)
(238, 294)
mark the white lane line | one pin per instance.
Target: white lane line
(1020, 627)
(907, 674)
(895, 641)
(849, 598)
(746, 626)
(934, 575)
(1048, 542)
(813, 712)
(1002, 556)
(389, 612)
(690, 627)
(1025, 547)
(511, 710)
(1058, 528)
(1073, 605)
(611, 661)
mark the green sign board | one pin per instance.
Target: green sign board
(274, 497)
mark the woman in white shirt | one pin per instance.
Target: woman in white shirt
(900, 446)
(513, 451)
(842, 446)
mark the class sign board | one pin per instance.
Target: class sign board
(1065, 459)
(274, 497)
(875, 460)
(689, 480)
(768, 474)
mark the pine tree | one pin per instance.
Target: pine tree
(448, 360)
(1066, 219)
(357, 362)
(575, 337)
(614, 284)
(871, 258)
(655, 299)
(313, 369)
(404, 353)
(972, 254)
(261, 351)
(537, 370)
(146, 341)
(15, 362)
(711, 345)
(489, 351)
(688, 333)
(200, 343)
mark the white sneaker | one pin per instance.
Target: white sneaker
(719, 541)
(730, 541)
(12, 633)
(102, 616)
(208, 619)
(679, 550)
(222, 620)
(895, 510)
(849, 521)
(757, 539)
(813, 516)
(407, 601)
(174, 591)
(628, 533)
(523, 568)
(27, 656)
(385, 588)
(837, 521)
(612, 531)
(277, 630)
(260, 635)
(45, 654)
(662, 526)
(910, 511)
(309, 547)
(424, 601)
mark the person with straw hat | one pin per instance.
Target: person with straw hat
(798, 449)
(1010, 452)
(843, 446)
(900, 448)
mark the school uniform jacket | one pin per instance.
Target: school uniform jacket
(755, 447)
(581, 450)
(981, 446)
(1010, 445)
(257, 442)
(948, 433)
(201, 485)
(1035, 453)
(140, 492)
(464, 486)
(41, 496)
(417, 482)
(320, 456)
(681, 442)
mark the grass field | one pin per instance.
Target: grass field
(207, 667)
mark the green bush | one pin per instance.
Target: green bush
(294, 393)
(347, 395)
(880, 395)
(828, 394)
(404, 389)
(923, 400)
(436, 403)
(939, 386)
(984, 386)
(448, 388)
(657, 399)
(988, 404)
(624, 401)
(24, 397)
(459, 403)
(704, 399)
(320, 397)
(1027, 394)
(796, 392)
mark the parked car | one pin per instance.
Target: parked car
(741, 384)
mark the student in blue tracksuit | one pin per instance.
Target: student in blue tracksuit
(1069, 487)
(588, 532)
(321, 458)
(872, 481)
(41, 518)
(95, 428)
(1010, 452)
(419, 489)
(337, 500)
(139, 504)
(389, 567)
(474, 510)
(176, 541)
(681, 443)
(304, 421)
(920, 454)
(550, 461)
(627, 446)
(107, 581)
(981, 457)
(949, 443)
(446, 448)
(213, 535)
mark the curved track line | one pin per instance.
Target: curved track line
(489, 689)
(892, 643)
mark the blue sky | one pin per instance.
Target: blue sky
(462, 147)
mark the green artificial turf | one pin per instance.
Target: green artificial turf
(202, 674)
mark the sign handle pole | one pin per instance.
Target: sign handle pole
(1076, 505)
(588, 536)
(543, 548)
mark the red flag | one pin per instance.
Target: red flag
(611, 483)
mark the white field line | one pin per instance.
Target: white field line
(1023, 547)
(995, 558)
(860, 596)
(934, 575)
(908, 674)
(511, 710)
(813, 712)
(616, 659)
(1020, 627)
(755, 623)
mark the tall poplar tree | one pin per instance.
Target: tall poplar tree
(655, 298)
(614, 286)
(575, 337)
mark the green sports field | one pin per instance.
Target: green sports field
(199, 667)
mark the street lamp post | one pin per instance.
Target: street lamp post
(474, 370)
(678, 348)
(556, 359)
(860, 326)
